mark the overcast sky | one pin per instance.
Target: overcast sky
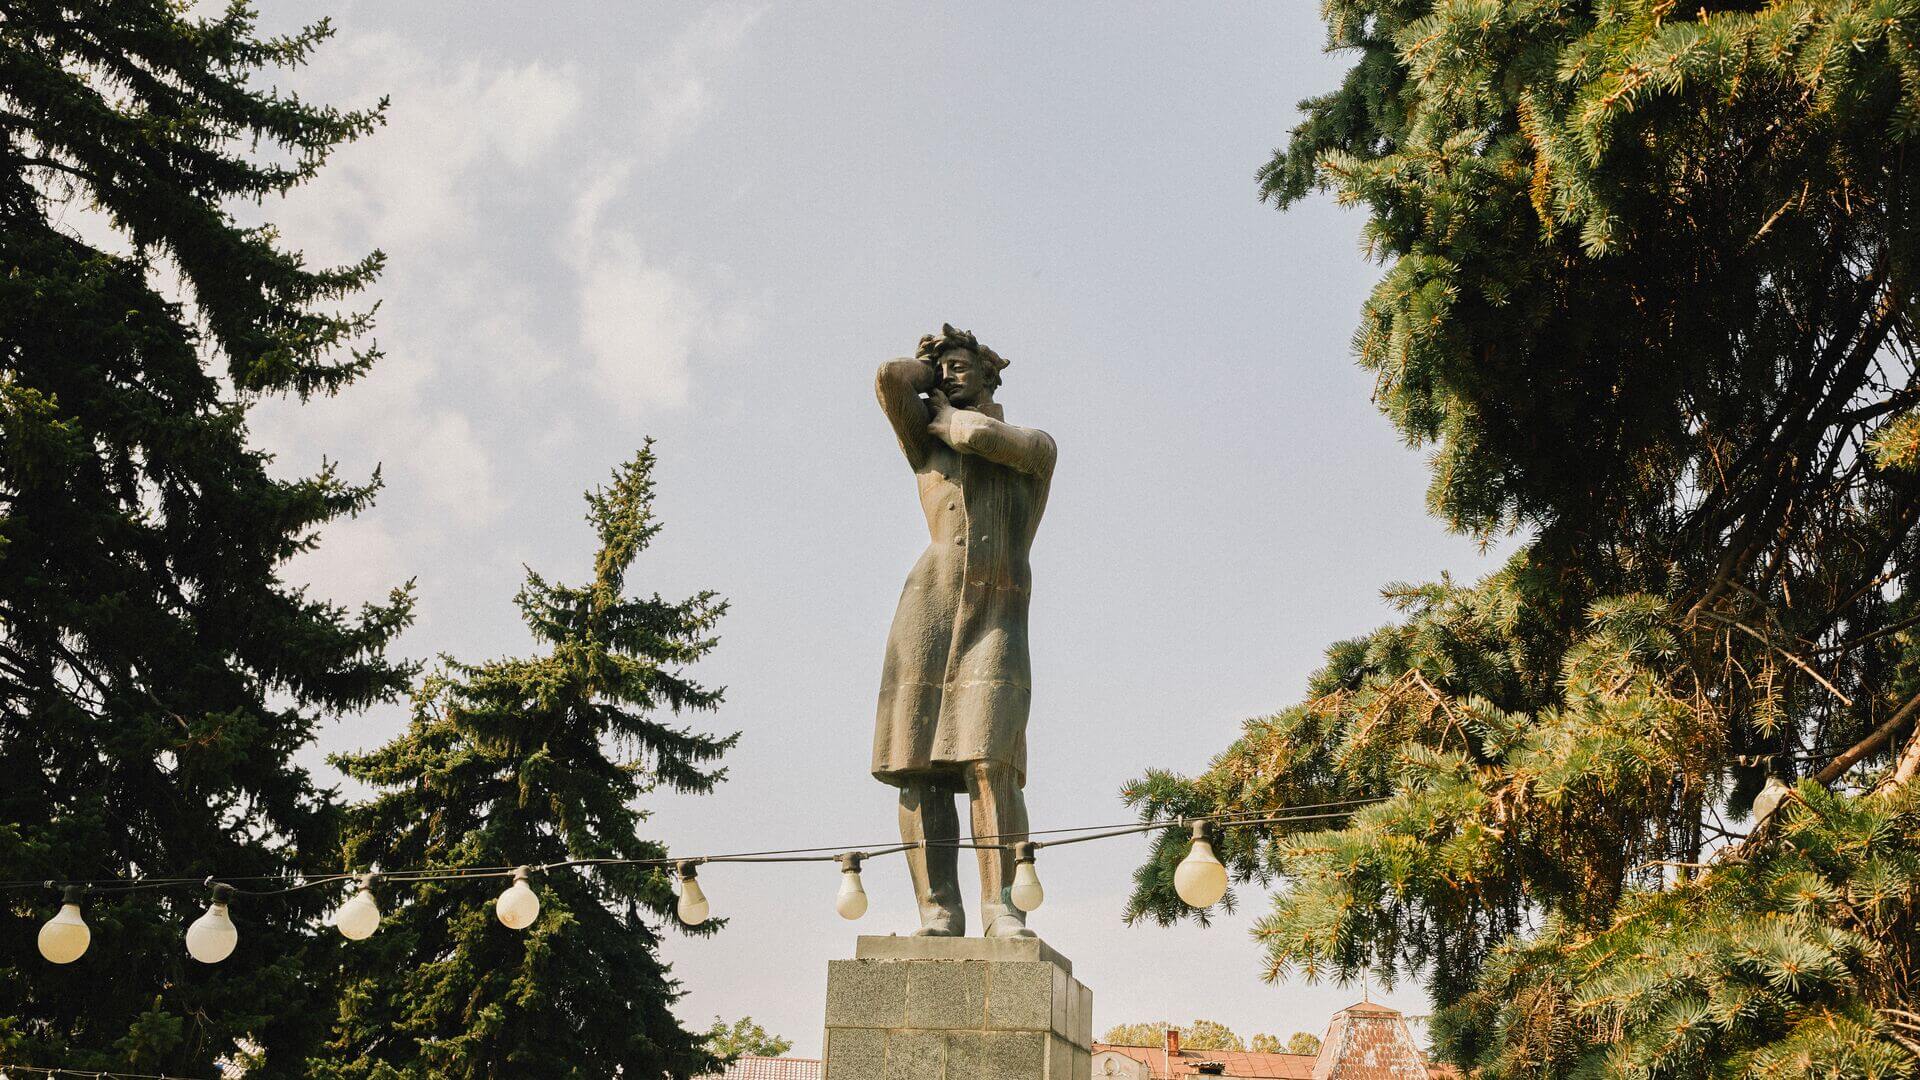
(709, 224)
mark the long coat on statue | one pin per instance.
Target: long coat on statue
(957, 683)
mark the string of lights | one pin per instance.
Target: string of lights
(1200, 880)
(9, 1072)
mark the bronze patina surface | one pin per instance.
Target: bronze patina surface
(956, 685)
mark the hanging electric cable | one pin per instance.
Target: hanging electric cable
(1200, 880)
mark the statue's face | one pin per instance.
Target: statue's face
(963, 378)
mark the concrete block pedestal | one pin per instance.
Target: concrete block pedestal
(907, 1008)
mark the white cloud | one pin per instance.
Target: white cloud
(448, 458)
(640, 325)
(358, 561)
(674, 91)
(413, 189)
(479, 325)
(413, 182)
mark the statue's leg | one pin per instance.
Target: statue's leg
(927, 812)
(999, 817)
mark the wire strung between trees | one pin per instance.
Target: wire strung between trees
(7, 1071)
(302, 881)
(1200, 880)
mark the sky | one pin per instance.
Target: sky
(708, 224)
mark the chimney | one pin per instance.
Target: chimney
(1173, 1041)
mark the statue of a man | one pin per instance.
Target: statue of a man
(957, 683)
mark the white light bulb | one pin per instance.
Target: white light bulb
(212, 936)
(1771, 796)
(519, 905)
(1026, 893)
(1200, 879)
(693, 900)
(359, 917)
(65, 937)
(851, 902)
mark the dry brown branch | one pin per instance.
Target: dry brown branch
(1675, 863)
(1906, 767)
(1795, 660)
(1868, 745)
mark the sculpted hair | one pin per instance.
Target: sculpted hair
(934, 346)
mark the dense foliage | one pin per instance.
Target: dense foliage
(1649, 299)
(530, 762)
(1211, 1035)
(157, 676)
(1199, 1035)
(1304, 1043)
(728, 1041)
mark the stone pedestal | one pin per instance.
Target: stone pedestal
(907, 1008)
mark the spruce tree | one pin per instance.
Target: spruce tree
(1649, 298)
(157, 675)
(525, 762)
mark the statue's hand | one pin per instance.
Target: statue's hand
(941, 426)
(926, 376)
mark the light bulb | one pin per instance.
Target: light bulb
(359, 917)
(1200, 879)
(519, 905)
(693, 900)
(65, 937)
(1771, 796)
(1026, 893)
(851, 902)
(212, 936)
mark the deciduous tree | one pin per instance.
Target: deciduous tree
(1199, 1035)
(1303, 1043)
(743, 1036)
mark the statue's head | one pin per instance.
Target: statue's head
(969, 371)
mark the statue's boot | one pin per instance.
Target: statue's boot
(937, 888)
(1006, 921)
(928, 816)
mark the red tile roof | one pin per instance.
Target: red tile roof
(1370, 1042)
(748, 1067)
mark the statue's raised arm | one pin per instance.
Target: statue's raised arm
(1028, 449)
(898, 384)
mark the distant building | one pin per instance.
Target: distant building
(1364, 1042)
(749, 1067)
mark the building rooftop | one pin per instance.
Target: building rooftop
(1364, 1042)
(1372, 1042)
(749, 1067)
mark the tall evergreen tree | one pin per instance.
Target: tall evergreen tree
(525, 762)
(156, 674)
(1650, 298)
